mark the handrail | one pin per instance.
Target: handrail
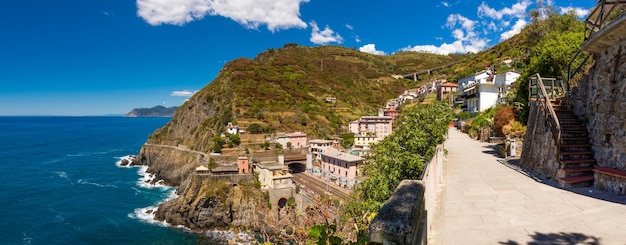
(570, 74)
(551, 118)
(600, 17)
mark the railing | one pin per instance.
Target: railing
(603, 15)
(542, 96)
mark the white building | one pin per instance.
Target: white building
(484, 90)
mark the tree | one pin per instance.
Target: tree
(266, 145)
(347, 140)
(289, 145)
(255, 128)
(218, 142)
(212, 163)
(235, 139)
(278, 146)
(401, 155)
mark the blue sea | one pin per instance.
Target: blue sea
(61, 183)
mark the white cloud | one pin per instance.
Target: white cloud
(276, 14)
(466, 39)
(445, 4)
(349, 27)
(371, 48)
(580, 12)
(517, 28)
(183, 93)
(325, 36)
(518, 10)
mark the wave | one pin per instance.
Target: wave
(129, 158)
(147, 179)
(84, 182)
(147, 215)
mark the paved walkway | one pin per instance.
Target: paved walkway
(485, 202)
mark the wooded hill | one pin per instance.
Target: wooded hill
(285, 90)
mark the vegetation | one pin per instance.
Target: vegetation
(401, 155)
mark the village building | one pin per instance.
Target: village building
(232, 129)
(318, 146)
(341, 167)
(445, 90)
(296, 139)
(484, 90)
(379, 125)
(273, 175)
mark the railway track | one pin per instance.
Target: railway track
(318, 187)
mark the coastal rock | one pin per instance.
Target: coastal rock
(205, 203)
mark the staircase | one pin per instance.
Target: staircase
(576, 156)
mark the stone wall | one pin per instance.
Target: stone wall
(600, 99)
(539, 151)
(408, 215)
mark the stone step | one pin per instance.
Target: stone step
(572, 153)
(573, 131)
(575, 138)
(576, 181)
(576, 170)
(578, 161)
(576, 146)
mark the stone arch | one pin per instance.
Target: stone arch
(282, 202)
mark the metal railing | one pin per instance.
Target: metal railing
(602, 15)
(543, 97)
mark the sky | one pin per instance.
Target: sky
(102, 57)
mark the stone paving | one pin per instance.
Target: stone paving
(485, 201)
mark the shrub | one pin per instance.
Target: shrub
(502, 117)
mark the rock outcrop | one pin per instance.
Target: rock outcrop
(206, 203)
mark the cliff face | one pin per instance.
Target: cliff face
(205, 203)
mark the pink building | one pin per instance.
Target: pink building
(381, 125)
(297, 140)
(444, 89)
(340, 167)
(243, 165)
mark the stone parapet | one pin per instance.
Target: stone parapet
(401, 219)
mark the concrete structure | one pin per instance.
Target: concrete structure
(202, 170)
(483, 90)
(273, 175)
(340, 167)
(380, 125)
(297, 140)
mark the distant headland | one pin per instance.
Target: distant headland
(157, 111)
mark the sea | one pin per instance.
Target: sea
(61, 183)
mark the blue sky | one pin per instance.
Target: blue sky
(96, 57)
